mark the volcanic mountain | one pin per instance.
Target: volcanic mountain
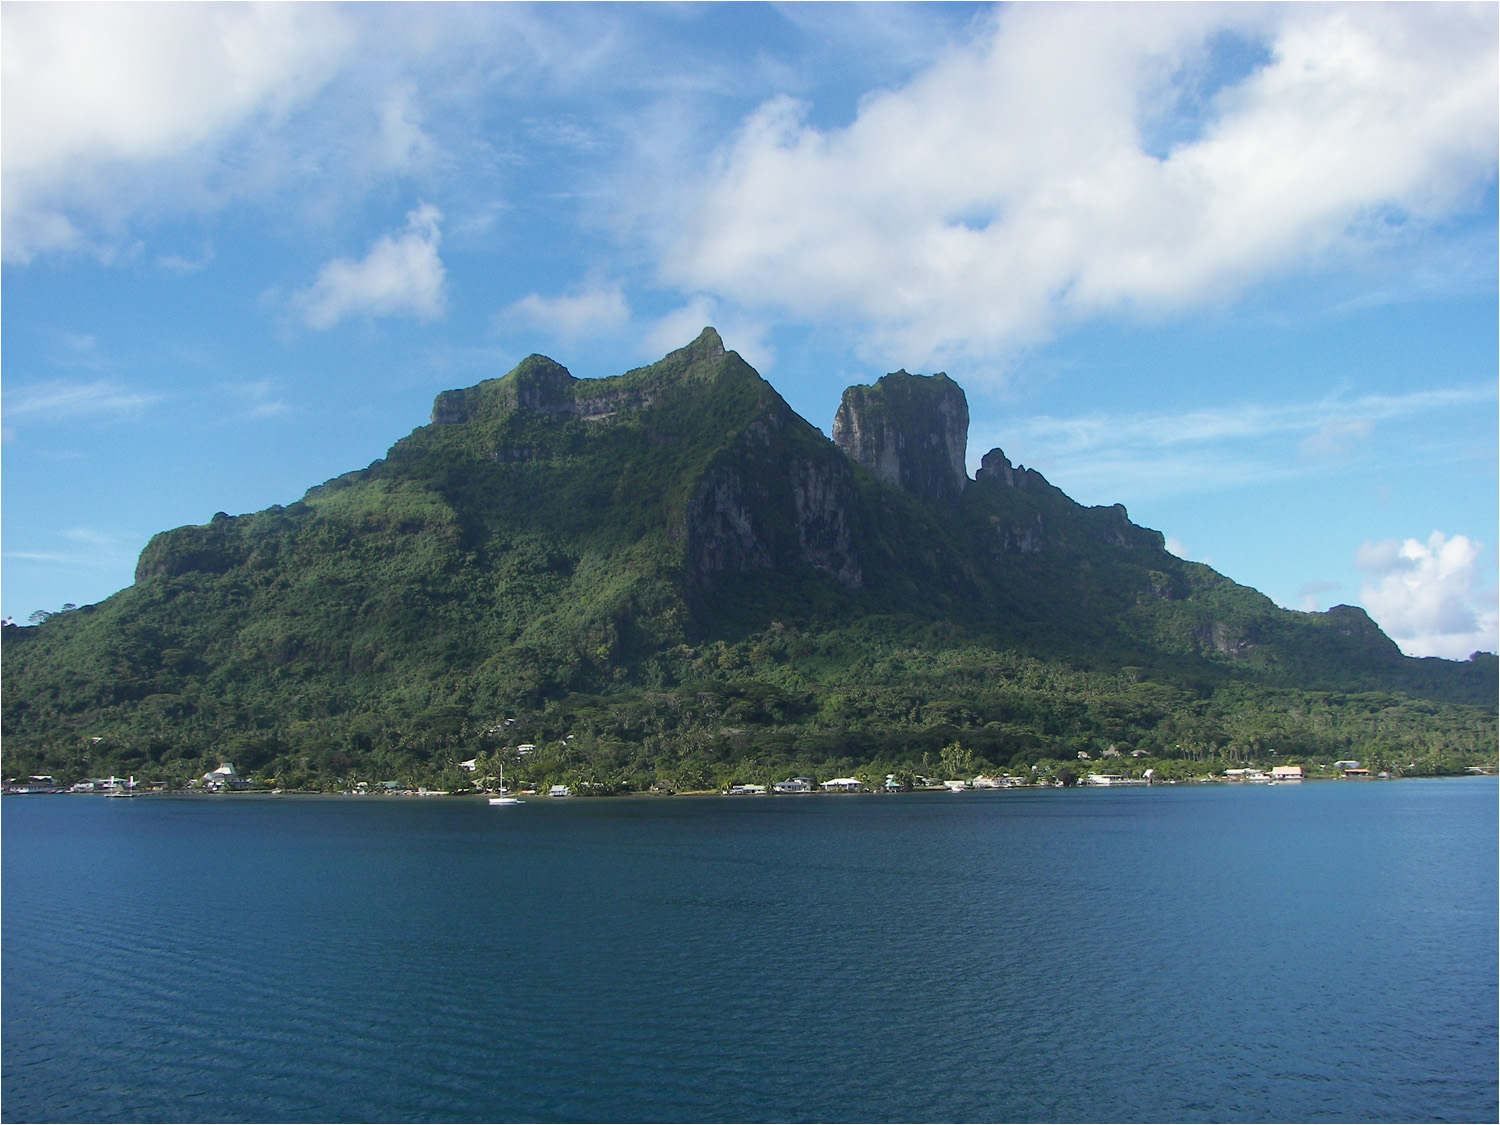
(669, 574)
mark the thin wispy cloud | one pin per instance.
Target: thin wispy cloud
(57, 400)
(178, 264)
(90, 547)
(78, 351)
(1246, 420)
(259, 399)
(1153, 454)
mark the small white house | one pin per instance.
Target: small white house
(1286, 773)
(470, 766)
(843, 785)
(225, 777)
(794, 785)
(559, 791)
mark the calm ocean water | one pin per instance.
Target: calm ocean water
(1322, 952)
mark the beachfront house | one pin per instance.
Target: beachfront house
(225, 777)
(794, 785)
(843, 785)
(1246, 774)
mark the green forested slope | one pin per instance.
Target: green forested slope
(687, 581)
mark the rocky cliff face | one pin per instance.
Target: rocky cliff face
(995, 468)
(775, 496)
(543, 387)
(761, 510)
(909, 430)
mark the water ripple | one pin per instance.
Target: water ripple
(1319, 954)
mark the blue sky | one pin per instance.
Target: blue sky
(1233, 266)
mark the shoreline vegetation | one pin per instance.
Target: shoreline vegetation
(1061, 777)
(529, 795)
(669, 581)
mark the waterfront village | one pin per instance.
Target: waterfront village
(226, 779)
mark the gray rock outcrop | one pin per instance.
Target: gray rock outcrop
(909, 430)
(763, 511)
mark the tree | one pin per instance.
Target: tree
(956, 759)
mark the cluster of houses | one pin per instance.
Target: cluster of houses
(1261, 777)
(855, 785)
(46, 783)
(225, 778)
(1004, 781)
(36, 783)
(1008, 781)
(799, 785)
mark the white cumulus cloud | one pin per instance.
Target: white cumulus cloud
(1430, 597)
(596, 308)
(1026, 179)
(89, 90)
(402, 275)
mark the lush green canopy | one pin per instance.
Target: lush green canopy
(670, 578)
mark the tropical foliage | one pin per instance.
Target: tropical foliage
(522, 572)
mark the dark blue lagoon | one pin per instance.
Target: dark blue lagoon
(1318, 952)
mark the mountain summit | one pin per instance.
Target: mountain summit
(679, 573)
(909, 430)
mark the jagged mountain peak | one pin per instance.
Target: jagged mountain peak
(540, 385)
(909, 430)
(548, 539)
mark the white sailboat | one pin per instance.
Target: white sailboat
(118, 790)
(503, 799)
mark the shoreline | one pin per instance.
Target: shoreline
(471, 795)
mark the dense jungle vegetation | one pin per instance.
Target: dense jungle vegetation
(669, 580)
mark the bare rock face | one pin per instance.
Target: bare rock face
(995, 468)
(909, 430)
(761, 511)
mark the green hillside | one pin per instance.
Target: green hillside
(669, 578)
